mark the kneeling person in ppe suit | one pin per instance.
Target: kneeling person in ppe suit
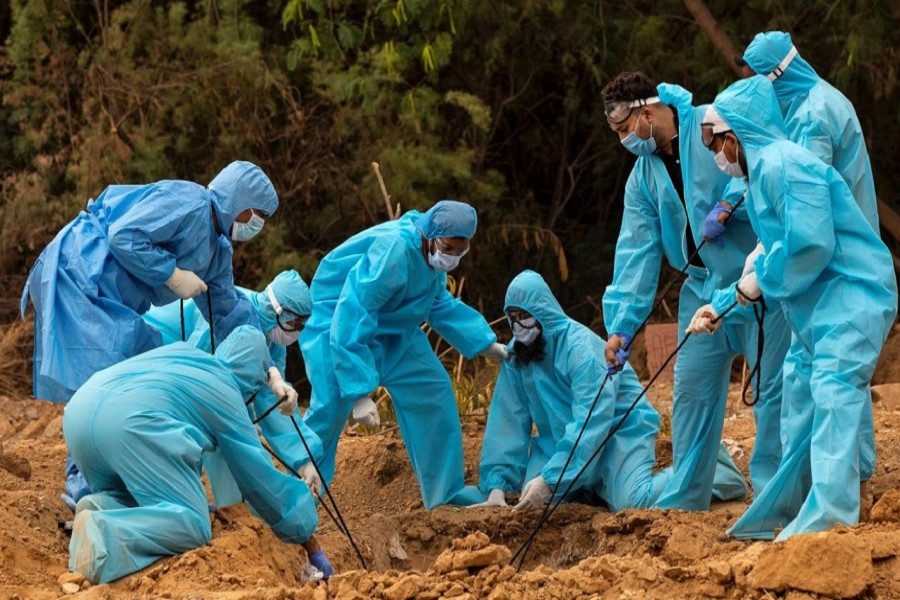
(833, 276)
(282, 309)
(370, 296)
(139, 431)
(551, 381)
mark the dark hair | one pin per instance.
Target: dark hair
(628, 86)
(535, 352)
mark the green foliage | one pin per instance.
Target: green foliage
(493, 101)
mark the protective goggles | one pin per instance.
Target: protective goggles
(521, 318)
(449, 250)
(618, 112)
(708, 133)
(286, 320)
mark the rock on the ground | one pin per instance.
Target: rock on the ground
(888, 507)
(833, 564)
(472, 552)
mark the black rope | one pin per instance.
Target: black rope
(268, 411)
(334, 505)
(298, 476)
(548, 512)
(759, 313)
(183, 335)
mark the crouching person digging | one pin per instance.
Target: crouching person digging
(139, 430)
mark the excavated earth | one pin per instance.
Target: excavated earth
(583, 552)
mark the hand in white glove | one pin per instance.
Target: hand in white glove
(185, 284)
(748, 290)
(365, 412)
(495, 351)
(496, 498)
(311, 478)
(750, 261)
(280, 389)
(704, 320)
(535, 494)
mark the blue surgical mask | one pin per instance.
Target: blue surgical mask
(638, 145)
(443, 262)
(242, 232)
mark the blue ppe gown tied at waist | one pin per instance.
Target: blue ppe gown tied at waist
(103, 270)
(834, 279)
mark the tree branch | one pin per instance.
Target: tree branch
(717, 35)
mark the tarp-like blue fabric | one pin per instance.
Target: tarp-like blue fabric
(93, 282)
(834, 280)
(653, 226)
(139, 431)
(818, 117)
(555, 394)
(370, 295)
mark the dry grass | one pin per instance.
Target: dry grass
(16, 345)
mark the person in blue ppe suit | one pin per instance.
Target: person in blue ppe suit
(281, 308)
(551, 381)
(834, 278)
(673, 186)
(370, 296)
(816, 114)
(139, 431)
(137, 245)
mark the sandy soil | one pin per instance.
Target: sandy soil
(583, 552)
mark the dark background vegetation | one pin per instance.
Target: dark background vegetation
(493, 102)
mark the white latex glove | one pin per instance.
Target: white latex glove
(365, 412)
(750, 262)
(495, 351)
(496, 498)
(185, 284)
(280, 389)
(703, 320)
(311, 478)
(535, 494)
(749, 285)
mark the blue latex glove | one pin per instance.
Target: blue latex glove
(712, 229)
(622, 354)
(76, 486)
(320, 561)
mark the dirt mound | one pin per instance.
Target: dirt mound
(583, 552)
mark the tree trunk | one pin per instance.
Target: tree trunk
(716, 34)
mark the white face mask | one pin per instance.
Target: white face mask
(443, 262)
(730, 168)
(242, 232)
(280, 337)
(525, 331)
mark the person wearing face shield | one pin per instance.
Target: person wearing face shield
(281, 308)
(133, 247)
(823, 263)
(550, 382)
(140, 430)
(673, 185)
(370, 296)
